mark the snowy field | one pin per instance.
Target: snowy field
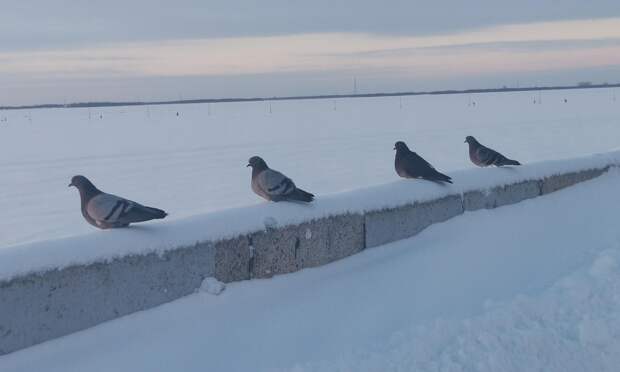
(195, 162)
(533, 286)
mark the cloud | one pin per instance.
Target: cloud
(507, 50)
(66, 23)
(567, 44)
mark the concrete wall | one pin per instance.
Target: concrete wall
(42, 306)
(46, 305)
(393, 224)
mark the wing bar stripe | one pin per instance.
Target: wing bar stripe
(116, 206)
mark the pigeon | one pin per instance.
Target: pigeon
(107, 211)
(408, 164)
(483, 156)
(273, 185)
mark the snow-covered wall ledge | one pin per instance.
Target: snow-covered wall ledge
(53, 288)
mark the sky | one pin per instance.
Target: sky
(73, 50)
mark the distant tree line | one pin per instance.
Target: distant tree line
(580, 85)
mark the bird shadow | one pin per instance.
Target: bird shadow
(441, 183)
(508, 168)
(140, 228)
(297, 202)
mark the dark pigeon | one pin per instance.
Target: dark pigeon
(273, 185)
(107, 211)
(408, 164)
(483, 156)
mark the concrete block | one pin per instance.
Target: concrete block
(42, 306)
(501, 195)
(512, 194)
(345, 237)
(274, 251)
(291, 248)
(394, 224)
(560, 181)
(232, 259)
(474, 200)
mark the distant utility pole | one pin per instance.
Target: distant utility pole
(354, 85)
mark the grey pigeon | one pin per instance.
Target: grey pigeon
(107, 211)
(483, 156)
(273, 185)
(408, 164)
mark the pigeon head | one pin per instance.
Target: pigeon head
(470, 140)
(257, 162)
(400, 146)
(83, 184)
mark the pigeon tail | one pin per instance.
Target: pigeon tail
(301, 195)
(156, 213)
(441, 177)
(141, 213)
(505, 161)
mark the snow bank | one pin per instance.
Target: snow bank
(159, 237)
(572, 326)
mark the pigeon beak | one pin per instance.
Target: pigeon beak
(71, 184)
(394, 148)
(247, 165)
(465, 141)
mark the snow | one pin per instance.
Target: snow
(158, 237)
(530, 286)
(194, 163)
(212, 286)
(569, 327)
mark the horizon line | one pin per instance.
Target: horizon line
(581, 85)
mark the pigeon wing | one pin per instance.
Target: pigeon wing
(138, 213)
(488, 156)
(484, 154)
(108, 208)
(274, 183)
(416, 166)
